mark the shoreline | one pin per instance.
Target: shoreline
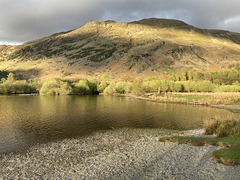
(231, 108)
(117, 154)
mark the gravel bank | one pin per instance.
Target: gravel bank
(116, 154)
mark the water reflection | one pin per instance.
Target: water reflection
(27, 120)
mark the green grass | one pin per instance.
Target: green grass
(227, 156)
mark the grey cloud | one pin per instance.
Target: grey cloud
(26, 20)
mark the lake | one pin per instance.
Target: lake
(28, 120)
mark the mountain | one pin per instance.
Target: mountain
(149, 47)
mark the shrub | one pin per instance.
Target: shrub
(81, 87)
(128, 88)
(2, 80)
(205, 86)
(3, 89)
(222, 128)
(22, 87)
(110, 89)
(36, 84)
(236, 83)
(103, 84)
(228, 88)
(151, 86)
(178, 87)
(119, 87)
(137, 88)
(123, 87)
(189, 86)
(16, 87)
(56, 86)
(92, 83)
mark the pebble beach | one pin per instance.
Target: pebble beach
(117, 154)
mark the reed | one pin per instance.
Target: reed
(222, 128)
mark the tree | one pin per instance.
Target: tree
(207, 76)
(56, 86)
(36, 83)
(217, 81)
(81, 87)
(178, 87)
(190, 75)
(196, 77)
(152, 85)
(2, 80)
(11, 77)
(164, 86)
(236, 83)
(205, 86)
(184, 76)
(173, 76)
(103, 84)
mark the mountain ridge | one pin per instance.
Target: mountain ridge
(149, 47)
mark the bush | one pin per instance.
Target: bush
(205, 86)
(110, 89)
(222, 128)
(81, 87)
(16, 87)
(56, 86)
(236, 83)
(150, 86)
(103, 84)
(3, 89)
(92, 83)
(36, 84)
(178, 86)
(123, 87)
(119, 87)
(189, 86)
(228, 88)
(137, 88)
(85, 86)
(22, 87)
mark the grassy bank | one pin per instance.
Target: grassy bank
(200, 98)
(227, 135)
(227, 156)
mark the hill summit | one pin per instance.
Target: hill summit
(149, 47)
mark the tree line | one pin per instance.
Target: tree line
(217, 78)
(188, 82)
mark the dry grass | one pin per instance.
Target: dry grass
(201, 98)
(222, 98)
(222, 128)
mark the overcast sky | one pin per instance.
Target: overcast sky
(25, 20)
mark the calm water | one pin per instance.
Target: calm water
(27, 120)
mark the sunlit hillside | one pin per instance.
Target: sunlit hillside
(149, 47)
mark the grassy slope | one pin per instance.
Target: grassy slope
(145, 48)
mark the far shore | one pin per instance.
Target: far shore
(231, 108)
